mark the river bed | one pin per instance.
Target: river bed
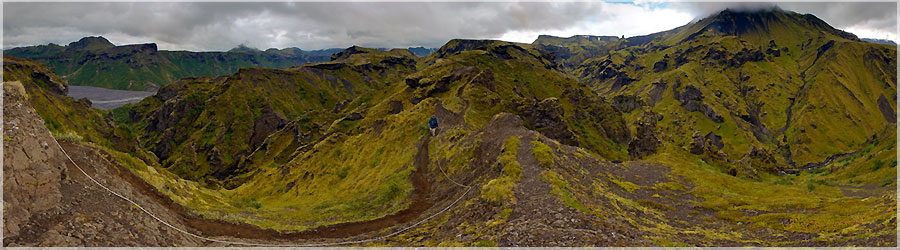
(105, 99)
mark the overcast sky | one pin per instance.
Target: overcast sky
(222, 26)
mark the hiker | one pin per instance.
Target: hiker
(432, 123)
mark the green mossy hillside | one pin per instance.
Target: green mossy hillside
(790, 85)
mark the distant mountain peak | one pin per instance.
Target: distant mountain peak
(91, 43)
(753, 9)
(350, 51)
(761, 20)
(244, 48)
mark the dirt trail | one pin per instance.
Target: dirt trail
(209, 227)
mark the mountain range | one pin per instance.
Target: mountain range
(760, 128)
(94, 61)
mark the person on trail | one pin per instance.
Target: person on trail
(432, 123)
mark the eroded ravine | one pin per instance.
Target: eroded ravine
(209, 227)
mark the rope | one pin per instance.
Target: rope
(448, 177)
(248, 243)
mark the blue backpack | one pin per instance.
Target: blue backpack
(433, 122)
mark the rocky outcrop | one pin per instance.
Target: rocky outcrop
(656, 93)
(692, 100)
(887, 111)
(267, 123)
(701, 143)
(660, 66)
(47, 201)
(165, 119)
(709, 148)
(627, 103)
(32, 169)
(396, 107)
(597, 111)
(744, 56)
(773, 49)
(645, 142)
(425, 87)
(546, 117)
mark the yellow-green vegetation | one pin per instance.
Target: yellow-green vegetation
(780, 84)
(876, 163)
(323, 144)
(542, 153)
(500, 190)
(493, 86)
(69, 136)
(562, 190)
(338, 141)
(627, 185)
(63, 116)
(803, 203)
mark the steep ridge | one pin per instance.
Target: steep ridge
(203, 126)
(572, 51)
(760, 78)
(49, 202)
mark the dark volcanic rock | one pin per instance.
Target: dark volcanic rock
(626, 103)
(886, 110)
(646, 142)
(546, 117)
(746, 55)
(427, 87)
(825, 47)
(339, 106)
(660, 66)
(656, 93)
(773, 49)
(328, 66)
(396, 107)
(692, 100)
(714, 140)
(698, 143)
(267, 123)
(354, 116)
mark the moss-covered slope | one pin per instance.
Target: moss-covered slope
(768, 83)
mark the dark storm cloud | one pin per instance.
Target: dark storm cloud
(221, 26)
(218, 26)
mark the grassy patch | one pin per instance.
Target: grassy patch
(562, 190)
(627, 185)
(499, 190)
(542, 153)
(69, 137)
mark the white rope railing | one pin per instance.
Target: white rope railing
(259, 244)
